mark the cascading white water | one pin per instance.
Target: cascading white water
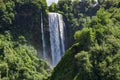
(61, 29)
(43, 39)
(56, 28)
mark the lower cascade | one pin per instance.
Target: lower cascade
(56, 29)
(43, 39)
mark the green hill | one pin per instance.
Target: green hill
(96, 53)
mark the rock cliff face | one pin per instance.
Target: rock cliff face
(27, 22)
(39, 32)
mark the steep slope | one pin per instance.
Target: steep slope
(18, 60)
(96, 54)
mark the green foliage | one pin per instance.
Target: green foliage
(18, 60)
(85, 37)
(53, 8)
(6, 13)
(75, 14)
(65, 72)
(95, 56)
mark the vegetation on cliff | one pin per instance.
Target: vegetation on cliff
(18, 60)
(96, 53)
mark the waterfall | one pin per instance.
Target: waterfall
(61, 29)
(43, 39)
(56, 28)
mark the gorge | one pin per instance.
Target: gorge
(65, 40)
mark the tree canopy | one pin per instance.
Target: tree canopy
(18, 60)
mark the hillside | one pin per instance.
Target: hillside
(95, 55)
(68, 40)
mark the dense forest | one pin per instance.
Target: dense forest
(18, 58)
(92, 40)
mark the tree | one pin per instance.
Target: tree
(6, 13)
(20, 61)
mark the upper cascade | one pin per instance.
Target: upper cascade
(56, 28)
